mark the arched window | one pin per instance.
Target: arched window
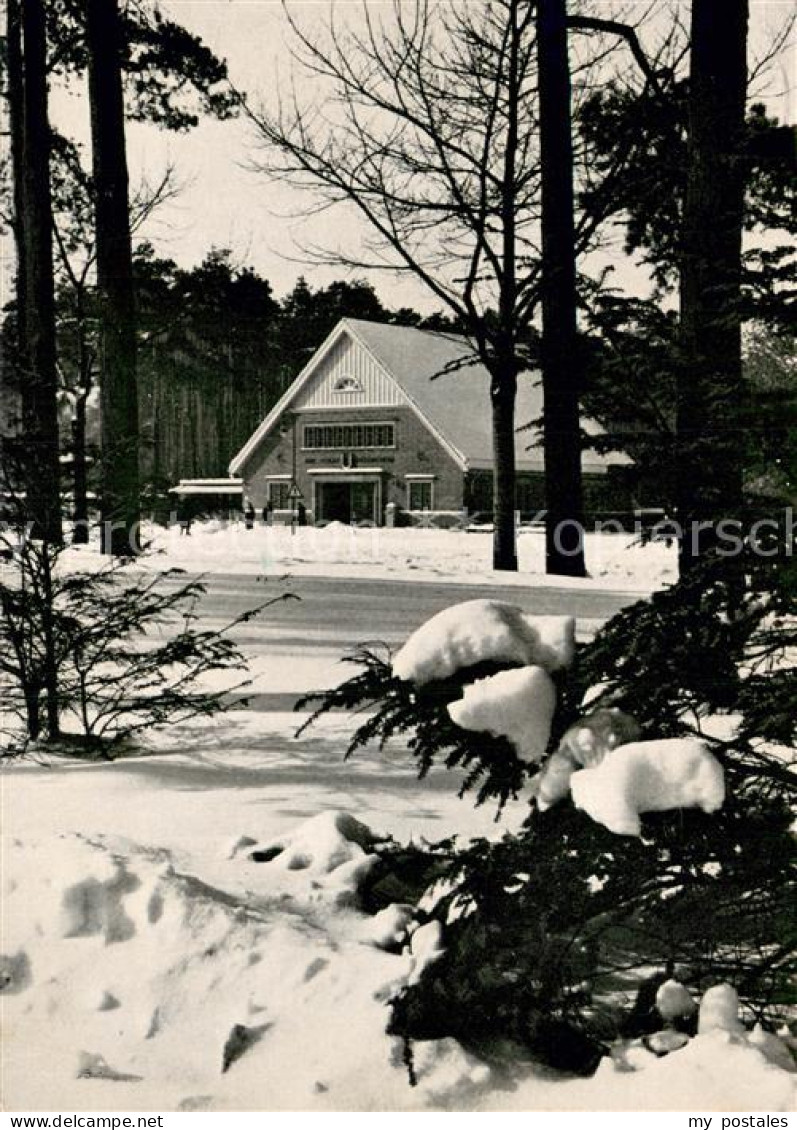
(347, 383)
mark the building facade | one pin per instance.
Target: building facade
(393, 424)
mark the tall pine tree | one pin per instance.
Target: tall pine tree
(564, 548)
(119, 492)
(710, 390)
(30, 136)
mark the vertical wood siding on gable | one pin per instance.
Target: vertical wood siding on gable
(348, 359)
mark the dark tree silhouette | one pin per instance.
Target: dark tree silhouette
(30, 130)
(710, 392)
(564, 549)
(119, 489)
(16, 122)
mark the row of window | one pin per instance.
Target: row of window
(419, 495)
(337, 437)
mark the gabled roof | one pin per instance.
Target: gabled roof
(449, 389)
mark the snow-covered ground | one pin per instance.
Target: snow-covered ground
(133, 944)
(151, 965)
(143, 954)
(614, 560)
(148, 963)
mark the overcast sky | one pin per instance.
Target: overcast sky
(223, 204)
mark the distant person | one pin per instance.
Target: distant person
(249, 515)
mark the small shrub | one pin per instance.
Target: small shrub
(101, 655)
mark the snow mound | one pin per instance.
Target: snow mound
(445, 1071)
(212, 998)
(651, 776)
(332, 529)
(119, 950)
(332, 848)
(712, 1072)
(389, 927)
(203, 1000)
(480, 630)
(517, 704)
(321, 844)
(74, 892)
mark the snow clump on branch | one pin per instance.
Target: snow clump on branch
(479, 631)
(651, 776)
(584, 745)
(517, 704)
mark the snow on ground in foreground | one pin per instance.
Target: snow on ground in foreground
(151, 964)
(614, 561)
(139, 987)
(140, 948)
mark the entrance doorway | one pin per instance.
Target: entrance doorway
(347, 501)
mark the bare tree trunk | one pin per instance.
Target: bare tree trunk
(564, 551)
(30, 155)
(502, 394)
(80, 534)
(11, 368)
(710, 386)
(35, 220)
(52, 698)
(16, 116)
(503, 389)
(80, 512)
(120, 507)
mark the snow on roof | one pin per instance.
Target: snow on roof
(441, 375)
(440, 372)
(208, 486)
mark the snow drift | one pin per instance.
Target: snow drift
(128, 985)
(333, 848)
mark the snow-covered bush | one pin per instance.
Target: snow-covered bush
(448, 692)
(683, 859)
(419, 714)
